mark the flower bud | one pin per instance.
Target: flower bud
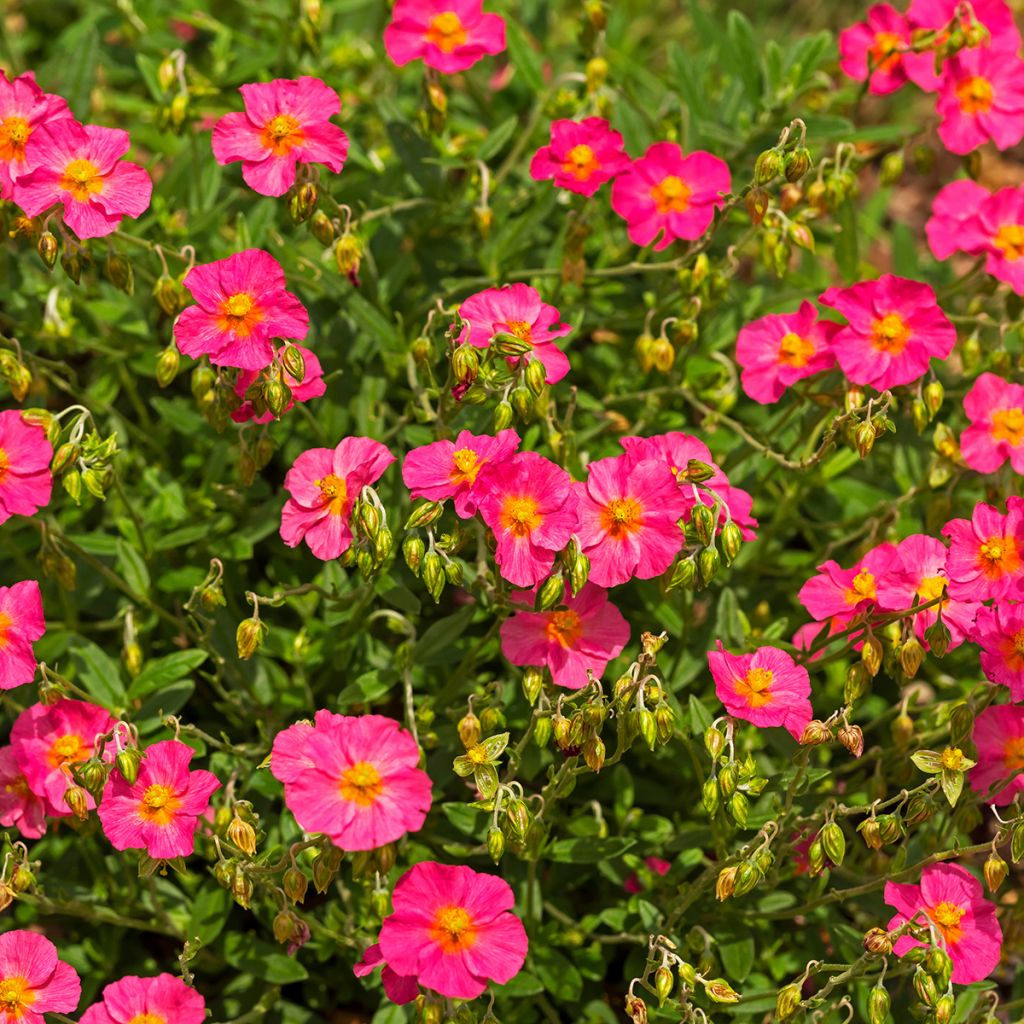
(594, 753)
(852, 738)
(878, 1005)
(703, 520)
(747, 877)
(293, 362)
(249, 636)
(714, 742)
(303, 203)
(664, 982)
(295, 884)
(536, 376)
(767, 167)
(424, 514)
(787, 1002)
(996, 869)
(757, 203)
(732, 541)
(877, 941)
(924, 986)
(127, 762)
(636, 1009)
(242, 888)
(120, 273)
(48, 249)
(322, 228)
(870, 833)
(739, 808)
(77, 800)
(711, 797)
(413, 550)
(6, 899)
(647, 727)
(708, 562)
(815, 734)
(834, 843)
(858, 682)
(720, 991)
(797, 163)
(937, 962)
(243, 835)
(551, 592)
(684, 575)
(816, 856)
(542, 732)
(495, 843)
(910, 656)
(348, 253)
(944, 1008)
(325, 867)
(726, 883)
(71, 264)
(433, 575)
(469, 729)
(864, 439)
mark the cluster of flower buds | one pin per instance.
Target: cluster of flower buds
(733, 782)
(579, 734)
(84, 459)
(433, 561)
(933, 989)
(15, 374)
(827, 848)
(232, 873)
(174, 111)
(215, 395)
(701, 559)
(639, 700)
(17, 875)
(372, 539)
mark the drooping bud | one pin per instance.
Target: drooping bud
(834, 843)
(787, 1002)
(732, 541)
(495, 844)
(720, 991)
(815, 734)
(757, 203)
(910, 656)
(852, 738)
(249, 636)
(77, 800)
(636, 1010)
(877, 941)
(797, 164)
(71, 263)
(348, 253)
(708, 562)
(425, 514)
(469, 729)
(664, 982)
(322, 228)
(413, 550)
(325, 867)
(167, 362)
(703, 520)
(295, 884)
(996, 869)
(48, 249)
(594, 753)
(242, 834)
(864, 439)
(725, 885)
(551, 592)
(767, 167)
(924, 986)
(710, 797)
(878, 1005)
(870, 833)
(120, 273)
(127, 762)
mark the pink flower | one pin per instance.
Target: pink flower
(517, 309)
(80, 166)
(452, 930)
(873, 48)
(529, 504)
(311, 386)
(400, 990)
(586, 634)
(354, 778)
(919, 576)
(324, 484)
(950, 899)
(995, 408)
(21, 622)
(998, 231)
(652, 865)
(986, 553)
(242, 305)
(999, 632)
(894, 328)
(158, 1000)
(448, 35)
(25, 455)
(676, 449)
(937, 15)
(766, 688)
(160, 812)
(778, 350)
(982, 98)
(33, 982)
(628, 519)
(955, 219)
(286, 123)
(449, 469)
(582, 156)
(666, 193)
(47, 739)
(24, 107)
(20, 808)
(840, 595)
(999, 736)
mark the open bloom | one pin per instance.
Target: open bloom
(241, 306)
(629, 512)
(954, 222)
(20, 808)
(582, 156)
(919, 576)
(517, 309)
(449, 469)
(21, 622)
(938, 15)
(447, 35)
(160, 1000)
(999, 736)
(982, 98)
(286, 122)
(80, 167)
(894, 328)
(452, 930)
(999, 632)
(24, 107)
(585, 634)
(160, 812)
(838, 595)
(780, 349)
(47, 739)
(950, 899)
(33, 981)
(529, 504)
(872, 48)
(986, 553)
(676, 450)
(324, 484)
(998, 231)
(354, 778)
(666, 193)
(25, 455)
(311, 386)
(766, 688)
(995, 408)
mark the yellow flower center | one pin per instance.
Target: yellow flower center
(671, 195)
(975, 95)
(477, 754)
(946, 917)
(67, 749)
(1013, 754)
(996, 557)
(1009, 240)
(5, 625)
(564, 628)
(952, 759)
(14, 133)
(863, 588)
(621, 517)
(1008, 425)
(521, 329)
(756, 687)
(580, 162)
(148, 1018)
(4, 464)
(446, 31)
(453, 929)
(795, 351)
(890, 334)
(930, 588)
(239, 313)
(1018, 642)
(520, 516)
(883, 55)
(333, 493)
(158, 805)
(82, 179)
(16, 995)
(361, 784)
(282, 134)
(466, 466)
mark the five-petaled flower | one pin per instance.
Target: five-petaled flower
(26, 483)
(447, 35)
(21, 623)
(581, 156)
(33, 981)
(164, 999)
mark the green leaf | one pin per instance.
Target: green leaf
(557, 974)
(745, 58)
(210, 911)
(133, 568)
(79, 71)
(159, 672)
(846, 245)
(100, 675)
(255, 956)
(525, 59)
(952, 785)
(737, 958)
(443, 633)
(700, 717)
(588, 850)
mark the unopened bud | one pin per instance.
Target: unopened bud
(815, 734)
(797, 163)
(551, 593)
(348, 253)
(767, 167)
(77, 800)
(243, 835)
(878, 1005)
(720, 991)
(852, 738)
(864, 439)
(757, 203)
(495, 844)
(996, 870)
(48, 249)
(469, 730)
(664, 982)
(725, 885)
(877, 941)
(834, 843)
(167, 362)
(910, 655)
(787, 1002)
(127, 762)
(295, 884)
(120, 273)
(322, 228)
(71, 263)
(249, 636)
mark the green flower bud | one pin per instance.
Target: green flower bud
(767, 167)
